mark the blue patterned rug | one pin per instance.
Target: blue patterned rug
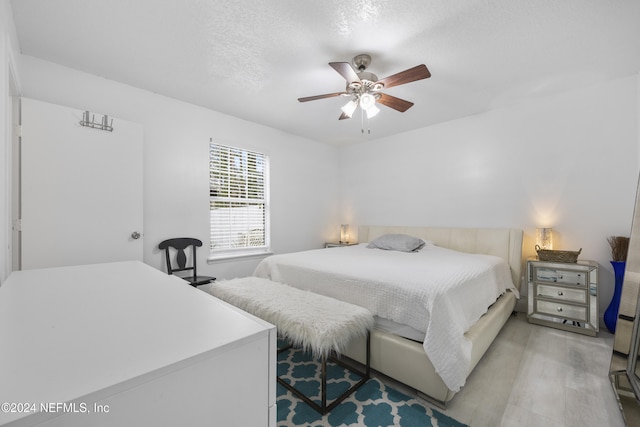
(373, 404)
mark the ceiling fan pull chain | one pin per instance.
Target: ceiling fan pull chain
(362, 123)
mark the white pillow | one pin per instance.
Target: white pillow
(397, 242)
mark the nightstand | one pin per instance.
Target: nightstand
(337, 244)
(564, 295)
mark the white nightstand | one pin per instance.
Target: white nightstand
(564, 295)
(338, 244)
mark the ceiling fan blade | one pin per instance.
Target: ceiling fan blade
(395, 103)
(418, 72)
(344, 116)
(326, 95)
(346, 70)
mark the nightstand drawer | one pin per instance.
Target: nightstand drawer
(559, 276)
(562, 310)
(562, 294)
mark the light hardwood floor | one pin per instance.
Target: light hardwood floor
(538, 376)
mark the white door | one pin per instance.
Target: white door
(81, 188)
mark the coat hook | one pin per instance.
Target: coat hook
(89, 120)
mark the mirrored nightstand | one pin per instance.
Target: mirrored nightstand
(564, 295)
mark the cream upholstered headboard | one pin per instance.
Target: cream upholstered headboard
(503, 242)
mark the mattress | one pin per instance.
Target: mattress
(395, 328)
(438, 292)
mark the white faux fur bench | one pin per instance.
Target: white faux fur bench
(321, 325)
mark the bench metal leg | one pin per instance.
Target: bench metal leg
(323, 408)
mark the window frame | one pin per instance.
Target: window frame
(246, 251)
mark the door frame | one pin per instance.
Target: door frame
(12, 161)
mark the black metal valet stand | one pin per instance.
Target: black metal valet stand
(323, 408)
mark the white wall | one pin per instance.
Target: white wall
(176, 136)
(568, 161)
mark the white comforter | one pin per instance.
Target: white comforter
(435, 290)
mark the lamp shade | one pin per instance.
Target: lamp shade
(367, 101)
(344, 233)
(349, 108)
(372, 111)
(544, 238)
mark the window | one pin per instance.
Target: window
(239, 205)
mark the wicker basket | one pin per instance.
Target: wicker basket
(557, 256)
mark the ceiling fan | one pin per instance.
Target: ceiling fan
(365, 89)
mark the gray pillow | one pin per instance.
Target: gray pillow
(397, 242)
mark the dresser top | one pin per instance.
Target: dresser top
(93, 330)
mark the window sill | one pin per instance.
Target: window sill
(237, 256)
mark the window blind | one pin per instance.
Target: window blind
(238, 199)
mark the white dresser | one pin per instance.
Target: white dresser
(125, 344)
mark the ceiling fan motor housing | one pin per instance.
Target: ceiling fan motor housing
(367, 76)
(367, 79)
(361, 62)
(367, 84)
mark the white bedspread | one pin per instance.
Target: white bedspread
(436, 290)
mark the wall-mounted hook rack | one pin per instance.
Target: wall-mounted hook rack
(88, 120)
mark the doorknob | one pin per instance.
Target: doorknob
(135, 235)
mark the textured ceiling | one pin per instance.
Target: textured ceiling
(253, 59)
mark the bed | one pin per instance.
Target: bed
(428, 339)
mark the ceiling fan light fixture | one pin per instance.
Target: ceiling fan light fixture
(367, 101)
(372, 111)
(350, 107)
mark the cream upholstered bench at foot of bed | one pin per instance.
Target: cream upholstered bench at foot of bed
(318, 324)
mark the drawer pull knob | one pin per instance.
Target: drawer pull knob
(559, 308)
(560, 293)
